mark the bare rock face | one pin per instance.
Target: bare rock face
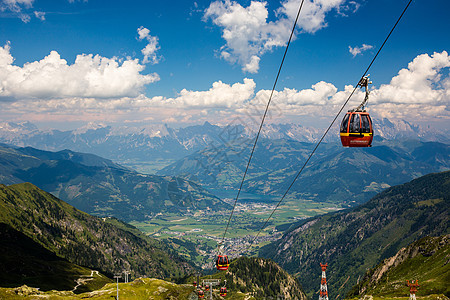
(421, 258)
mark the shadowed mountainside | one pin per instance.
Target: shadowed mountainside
(354, 240)
(83, 239)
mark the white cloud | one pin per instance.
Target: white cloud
(419, 92)
(358, 50)
(220, 95)
(152, 47)
(89, 76)
(253, 65)
(249, 34)
(40, 15)
(17, 7)
(313, 13)
(421, 83)
(143, 33)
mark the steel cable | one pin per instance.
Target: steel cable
(326, 131)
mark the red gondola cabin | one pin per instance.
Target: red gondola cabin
(201, 294)
(222, 263)
(223, 291)
(356, 129)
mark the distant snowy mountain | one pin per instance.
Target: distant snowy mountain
(398, 129)
(159, 145)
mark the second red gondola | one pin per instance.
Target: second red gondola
(222, 263)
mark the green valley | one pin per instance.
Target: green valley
(195, 236)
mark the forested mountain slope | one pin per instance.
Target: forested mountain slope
(354, 240)
(83, 239)
(24, 261)
(258, 278)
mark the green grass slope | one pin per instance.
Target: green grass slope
(426, 260)
(83, 239)
(141, 288)
(355, 240)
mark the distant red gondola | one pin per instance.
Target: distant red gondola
(207, 287)
(223, 291)
(222, 263)
(195, 283)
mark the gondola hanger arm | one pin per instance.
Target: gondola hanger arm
(363, 83)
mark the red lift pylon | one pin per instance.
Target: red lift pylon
(323, 284)
(413, 285)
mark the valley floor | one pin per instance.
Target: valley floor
(195, 236)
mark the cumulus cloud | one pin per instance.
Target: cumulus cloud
(89, 76)
(358, 50)
(419, 92)
(40, 15)
(17, 7)
(249, 34)
(421, 83)
(152, 47)
(220, 95)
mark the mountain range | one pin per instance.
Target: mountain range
(335, 174)
(100, 187)
(354, 240)
(149, 147)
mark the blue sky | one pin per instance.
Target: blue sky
(212, 60)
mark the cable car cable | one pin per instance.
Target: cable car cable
(262, 122)
(328, 129)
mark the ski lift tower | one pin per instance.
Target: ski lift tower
(117, 277)
(126, 275)
(413, 285)
(323, 283)
(211, 283)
